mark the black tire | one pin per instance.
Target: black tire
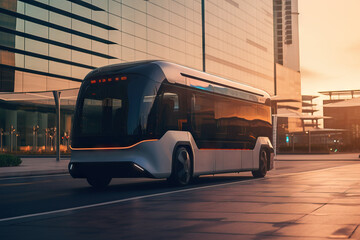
(182, 167)
(98, 182)
(263, 158)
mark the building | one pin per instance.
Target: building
(343, 108)
(50, 45)
(287, 71)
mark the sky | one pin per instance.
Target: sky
(329, 32)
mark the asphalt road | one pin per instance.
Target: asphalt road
(59, 207)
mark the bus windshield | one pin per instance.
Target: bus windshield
(115, 111)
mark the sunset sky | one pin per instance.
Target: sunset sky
(329, 45)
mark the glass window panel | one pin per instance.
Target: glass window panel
(36, 29)
(176, 56)
(128, 54)
(140, 56)
(60, 20)
(158, 12)
(177, 8)
(59, 68)
(19, 42)
(177, 20)
(19, 60)
(80, 57)
(177, 44)
(80, 26)
(99, 47)
(34, 82)
(140, 17)
(115, 50)
(59, 52)
(103, 4)
(100, 32)
(78, 72)
(140, 5)
(100, 16)
(81, 42)
(37, 64)
(115, 36)
(128, 26)
(57, 83)
(177, 32)
(73, 84)
(140, 44)
(80, 10)
(115, 7)
(7, 40)
(20, 25)
(20, 8)
(64, 5)
(7, 58)
(59, 36)
(115, 21)
(128, 40)
(7, 21)
(36, 12)
(98, 61)
(18, 83)
(35, 46)
(140, 31)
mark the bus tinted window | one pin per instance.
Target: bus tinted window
(223, 122)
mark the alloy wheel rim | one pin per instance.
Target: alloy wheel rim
(183, 166)
(263, 160)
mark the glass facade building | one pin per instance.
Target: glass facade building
(50, 44)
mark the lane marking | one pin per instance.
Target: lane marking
(155, 195)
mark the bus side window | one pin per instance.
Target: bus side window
(169, 107)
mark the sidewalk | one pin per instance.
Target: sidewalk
(36, 166)
(319, 157)
(43, 166)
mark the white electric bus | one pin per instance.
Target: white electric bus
(162, 120)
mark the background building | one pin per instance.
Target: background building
(50, 45)
(287, 72)
(343, 110)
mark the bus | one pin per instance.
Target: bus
(162, 120)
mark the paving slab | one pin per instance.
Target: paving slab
(36, 166)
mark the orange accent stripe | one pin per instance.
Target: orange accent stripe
(245, 149)
(115, 148)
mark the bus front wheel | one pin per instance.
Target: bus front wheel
(261, 172)
(98, 182)
(182, 167)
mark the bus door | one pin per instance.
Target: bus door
(173, 110)
(203, 131)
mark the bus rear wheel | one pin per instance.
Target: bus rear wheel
(261, 172)
(98, 182)
(182, 167)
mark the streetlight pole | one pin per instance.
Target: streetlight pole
(57, 138)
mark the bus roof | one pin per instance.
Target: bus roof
(176, 73)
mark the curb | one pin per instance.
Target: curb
(318, 160)
(33, 173)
